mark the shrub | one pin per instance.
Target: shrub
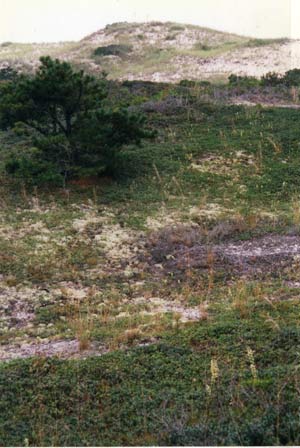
(171, 37)
(177, 28)
(292, 78)
(200, 46)
(192, 83)
(113, 50)
(187, 83)
(7, 73)
(243, 81)
(156, 23)
(6, 44)
(33, 170)
(265, 42)
(271, 79)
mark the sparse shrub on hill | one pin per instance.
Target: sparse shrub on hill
(266, 42)
(271, 79)
(200, 46)
(187, 83)
(292, 78)
(6, 44)
(193, 83)
(272, 83)
(243, 81)
(113, 50)
(171, 37)
(177, 28)
(66, 116)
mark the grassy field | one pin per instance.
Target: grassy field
(123, 322)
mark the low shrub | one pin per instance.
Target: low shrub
(271, 79)
(5, 44)
(243, 81)
(113, 50)
(200, 46)
(292, 78)
(265, 42)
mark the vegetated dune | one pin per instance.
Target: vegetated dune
(165, 52)
(162, 307)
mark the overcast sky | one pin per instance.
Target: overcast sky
(58, 20)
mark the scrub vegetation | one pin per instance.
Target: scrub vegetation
(156, 303)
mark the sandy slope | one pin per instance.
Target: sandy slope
(165, 52)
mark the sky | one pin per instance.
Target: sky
(61, 20)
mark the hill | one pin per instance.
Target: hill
(163, 52)
(159, 307)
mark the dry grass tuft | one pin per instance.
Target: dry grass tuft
(129, 336)
(295, 206)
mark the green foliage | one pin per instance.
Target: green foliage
(187, 83)
(7, 74)
(202, 46)
(264, 42)
(171, 37)
(6, 44)
(164, 394)
(65, 115)
(272, 79)
(113, 50)
(243, 81)
(33, 170)
(177, 28)
(292, 77)
(193, 83)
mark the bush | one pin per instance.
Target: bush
(6, 44)
(292, 78)
(265, 42)
(271, 79)
(187, 83)
(243, 81)
(7, 73)
(35, 171)
(192, 83)
(113, 50)
(177, 28)
(171, 37)
(200, 46)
